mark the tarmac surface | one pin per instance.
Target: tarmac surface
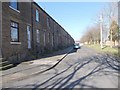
(82, 68)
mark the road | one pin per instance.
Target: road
(84, 68)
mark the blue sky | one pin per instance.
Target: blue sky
(74, 17)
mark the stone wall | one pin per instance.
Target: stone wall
(51, 38)
(23, 18)
(0, 28)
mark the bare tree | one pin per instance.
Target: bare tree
(92, 35)
(110, 13)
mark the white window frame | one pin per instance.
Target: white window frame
(52, 40)
(14, 26)
(37, 15)
(29, 36)
(48, 22)
(37, 36)
(44, 39)
(48, 37)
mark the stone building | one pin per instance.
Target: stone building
(0, 29)
(16, 23)
(28, 31)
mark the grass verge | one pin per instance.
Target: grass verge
(106, 49)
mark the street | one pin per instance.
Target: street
(84, 68)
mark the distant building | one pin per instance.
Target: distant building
(28, 31)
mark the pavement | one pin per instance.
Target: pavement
(24, 69)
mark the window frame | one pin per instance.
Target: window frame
(17, 28)
(37, 16)
(52, 40)
(44, 37)
(48, 22)
(29, 38)
(37, 35)
(48, 37)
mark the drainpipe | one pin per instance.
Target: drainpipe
(32, 26)
(0, 29)
(34, 46)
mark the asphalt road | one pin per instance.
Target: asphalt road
(84, 68)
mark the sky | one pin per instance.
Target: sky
(74, 17)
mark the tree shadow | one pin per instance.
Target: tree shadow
(64, 82)
(113, 62)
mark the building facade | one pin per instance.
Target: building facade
(0, 29)
(28, 31)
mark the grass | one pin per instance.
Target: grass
(106, 49)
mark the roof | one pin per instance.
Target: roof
(51, 17)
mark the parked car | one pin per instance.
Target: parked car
(76, 46)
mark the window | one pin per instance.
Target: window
(14, 32)
(37, 36)
(28, 37)
(37, 15)
(52, 41)
(14, 4)
(48, 37)
(44, 39)
(48, 22)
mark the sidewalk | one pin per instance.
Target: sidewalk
(30, 67)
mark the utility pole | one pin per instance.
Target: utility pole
(111, 38)
(101, 30)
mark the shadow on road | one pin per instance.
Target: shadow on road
(102, 66)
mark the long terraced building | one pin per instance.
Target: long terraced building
(27, 31)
